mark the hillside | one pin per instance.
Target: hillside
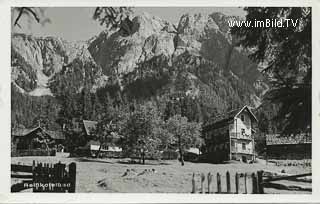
(195, 59)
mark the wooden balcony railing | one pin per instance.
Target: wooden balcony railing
(247, 151)
(239, 135)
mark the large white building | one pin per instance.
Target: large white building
(230, 136)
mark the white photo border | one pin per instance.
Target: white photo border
(5, 109)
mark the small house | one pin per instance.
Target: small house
(289, 147)
(230, 136)
(38, 138)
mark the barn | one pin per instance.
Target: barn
(293, 147)
(39, 141)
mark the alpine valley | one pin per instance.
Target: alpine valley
(196, 60)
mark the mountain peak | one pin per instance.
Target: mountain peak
(195, 23)
(146, 24)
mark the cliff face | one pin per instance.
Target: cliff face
(35, 61)
(197, 57)
(158, 46)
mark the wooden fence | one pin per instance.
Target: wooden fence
(218, 186)
(44, 177)
(269, 182)
(251, 183)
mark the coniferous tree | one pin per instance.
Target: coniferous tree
(285, 54)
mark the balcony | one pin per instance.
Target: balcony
(246, 151)
(238, 135)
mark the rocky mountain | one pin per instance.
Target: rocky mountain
(35, 61)
(196, 58)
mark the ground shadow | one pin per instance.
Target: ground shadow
(92, 160)
(146, 163)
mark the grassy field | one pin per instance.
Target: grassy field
(109, 175)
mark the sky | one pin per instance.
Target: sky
(76, 23)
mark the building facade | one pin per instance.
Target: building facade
(230, 136)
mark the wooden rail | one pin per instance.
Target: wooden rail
(286, 177)
(267, 183)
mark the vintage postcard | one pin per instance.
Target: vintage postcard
(162, 100)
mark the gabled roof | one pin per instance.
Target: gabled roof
(249, 110)
(227, 117)
(89, 126)
(58, 135)
(22, 132)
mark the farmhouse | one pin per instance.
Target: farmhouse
(92, 146)
(230, 136)
(289, 147)
(28, 140)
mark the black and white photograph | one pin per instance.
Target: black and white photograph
(186, 100)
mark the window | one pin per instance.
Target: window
(242, 117)
(243, 146)
(243, 131)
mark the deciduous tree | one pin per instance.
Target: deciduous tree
(140, 131)
(184, 134)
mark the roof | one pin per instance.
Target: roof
(229, 116)
(89, 126)
(21, 132)
(193, 150)
(277, 139)
(58, 135)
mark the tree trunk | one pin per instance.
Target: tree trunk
(180, 152)
(143, 157)
(97, 155)
(181, 156)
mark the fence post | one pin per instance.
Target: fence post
(218, 183)
(45, 176)
(209, 181)
(228, 182)
(193, 184)
(254, 184)
(41, 176)
(260, 182)
(59, 176)
(202, 182)
(34, 175)
(245, 183)
(237, 182)
(72, 177)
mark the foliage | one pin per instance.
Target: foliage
(114, 18)
(108, 128)
(140, 131)
(29, 110)
(285, 54)
(184, 134)
(31, 13)
(74, 139)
